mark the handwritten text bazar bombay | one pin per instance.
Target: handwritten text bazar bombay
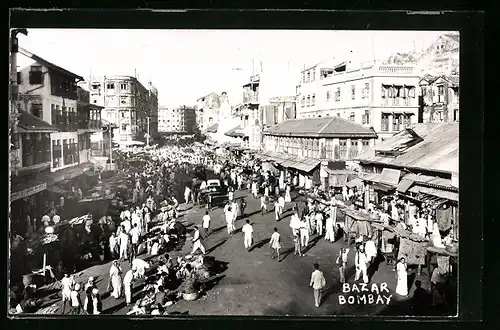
(365, 294)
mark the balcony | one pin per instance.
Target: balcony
(88, 125)
(395, 69)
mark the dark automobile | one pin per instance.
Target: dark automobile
(215, 193)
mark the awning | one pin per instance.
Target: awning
(90, 173)
(444, 194)
(355, 183)
(305, 164)
(57, 190)
(404, 185)
(382, 187)
(26, 188)
(288, 161)
(32, 124)
(129, 143)
(390, 176)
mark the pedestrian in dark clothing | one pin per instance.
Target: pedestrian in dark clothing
(420, 299)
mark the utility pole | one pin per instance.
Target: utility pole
(14, 88)
(147, 134)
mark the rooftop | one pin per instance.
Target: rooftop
(28, 122)
(432, 147)
(333, 127)
(48, 64)
(212, 129)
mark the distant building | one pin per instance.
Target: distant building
(207, 111)
(439, 99)
(383, 97)
(128, 104)
(279, 110)
(178, 120)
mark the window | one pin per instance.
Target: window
(124, 127)
(123, 86)
(353, 91)
(19, 78)
(343, 148)
(365, 143)
(328, 96)
(407, 120)
(303, 101)
(313, 99)
(385, 122)
(396, 122)
(95, 101)
(424, 91)
(354, 149)
(56, 154)
(337, 95)
(37, 110)
(352, 116)
(441, 90)
(308, 103)
(308, 76)
(366, 91)
(36, 75)
(123, 100)
(313, 75)
(366, 117)
(110, 86)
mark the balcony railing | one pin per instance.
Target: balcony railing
(85, 123)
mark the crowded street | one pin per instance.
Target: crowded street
(254, 201)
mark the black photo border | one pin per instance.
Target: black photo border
(471, 28)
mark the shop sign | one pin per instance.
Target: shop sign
(28, 192)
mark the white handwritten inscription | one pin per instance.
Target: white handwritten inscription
(365, 294)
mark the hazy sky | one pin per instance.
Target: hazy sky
(185, 65)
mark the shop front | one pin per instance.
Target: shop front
(26, 204)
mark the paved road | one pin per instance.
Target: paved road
(255, 284)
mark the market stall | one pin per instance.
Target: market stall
(357, 223)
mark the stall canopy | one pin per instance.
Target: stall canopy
(305, 164)
(436, 193)
(24, 188)
(355, 183)
(339, 178)
(404, 185)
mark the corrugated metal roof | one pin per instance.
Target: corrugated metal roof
(321, 127)
(437, 152)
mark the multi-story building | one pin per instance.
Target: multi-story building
(53, 127)
(250, 114)
(127, 104)
(280, 109)
(179, 120)
(51, 94)
(439, 99)
(89, 123)
(383, 97)
(207, 111)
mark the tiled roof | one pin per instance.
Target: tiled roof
(48, 64)
(438, 150)
(29, 122)
(236, 131)
(212, 129)
(334, 127)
